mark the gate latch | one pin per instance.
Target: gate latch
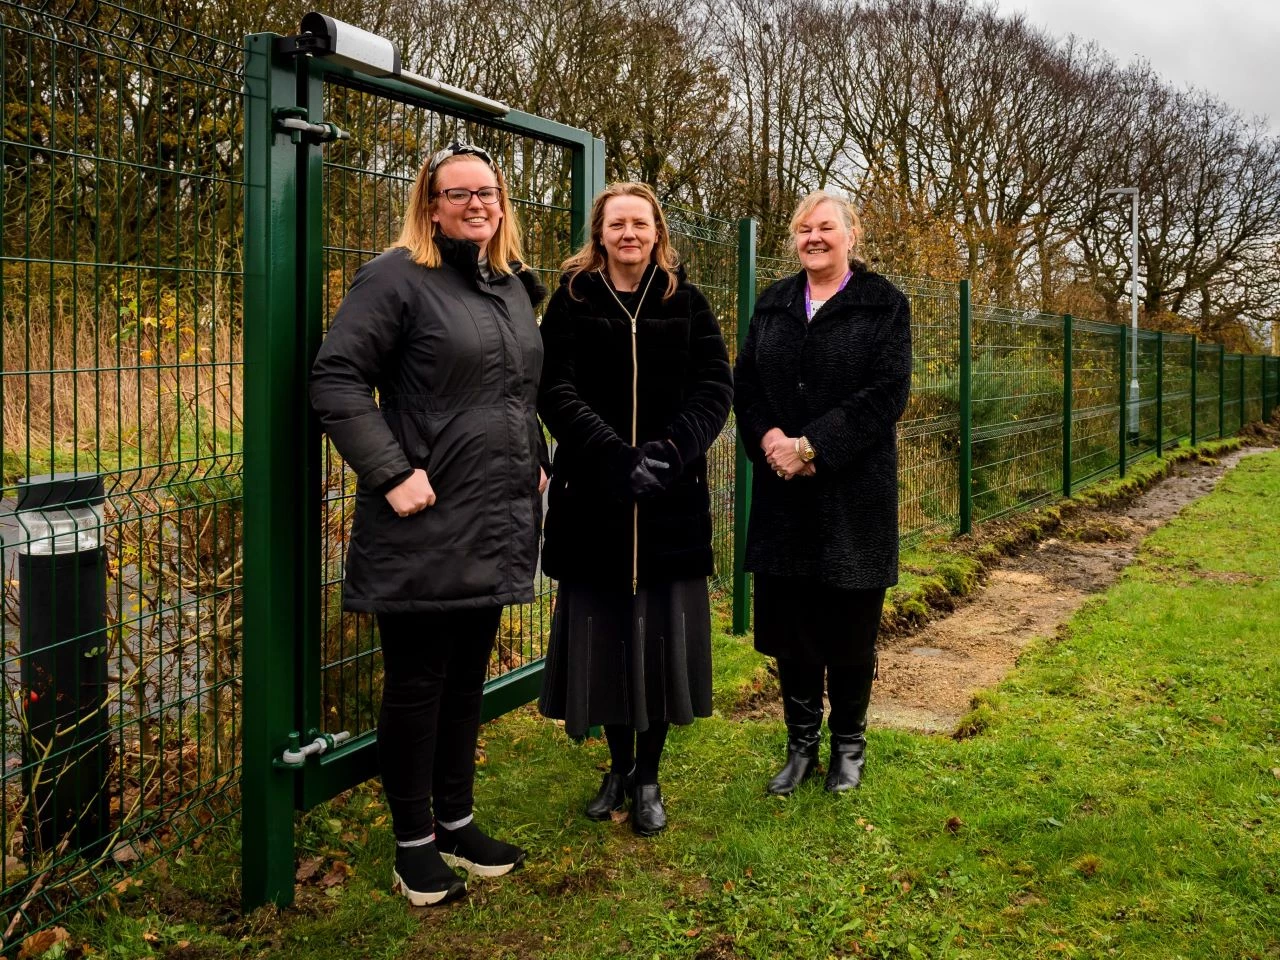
(294, 122)
(296, 755)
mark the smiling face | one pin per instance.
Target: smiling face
(628, 231)
(474, 220)
(823, 242)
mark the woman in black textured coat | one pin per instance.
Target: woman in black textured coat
(448, 504)
(635, 388)
(820, 384)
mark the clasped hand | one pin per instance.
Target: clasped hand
(780, 450)
(415, 493)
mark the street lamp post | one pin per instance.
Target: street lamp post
(1132, 192)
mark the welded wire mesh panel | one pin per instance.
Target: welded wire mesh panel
(1208, 385)
(120, 360)
(1142, 416)
(709, 250)
(1252, 388)
(1016, 408)
(366, 180)
(1176, 410)
(929, 431)
(1095, 400)
(1232, 380)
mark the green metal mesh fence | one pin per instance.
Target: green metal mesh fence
(1208, 385)
(1096, 368)
(1017, 409)
(709, 250)
(1232, 382)
(1176, 389)
(1142, 419)
(929, 431)
(120, 307)
(366, 183)
(1252, 388)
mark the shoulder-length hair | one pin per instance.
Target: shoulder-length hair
(418, 233)
(844, 209)
(591, 256)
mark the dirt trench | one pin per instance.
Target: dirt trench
(928, 679)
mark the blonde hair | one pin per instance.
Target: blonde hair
(591, 256)
(848, 216)
(418, 233)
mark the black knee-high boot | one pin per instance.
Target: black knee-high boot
(849, 688)
(801, 685)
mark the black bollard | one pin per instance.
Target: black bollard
(66, 748)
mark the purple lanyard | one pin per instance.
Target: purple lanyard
(808, 303)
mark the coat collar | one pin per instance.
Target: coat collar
(864, 289)
(464, 256)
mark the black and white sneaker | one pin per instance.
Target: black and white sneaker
(470, 848)
(422, 875)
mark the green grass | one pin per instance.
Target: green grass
(1122, 798)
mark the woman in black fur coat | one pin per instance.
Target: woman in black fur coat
(820, 384)
(635, 387)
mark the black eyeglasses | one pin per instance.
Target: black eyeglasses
(460, 195)
(458, 149)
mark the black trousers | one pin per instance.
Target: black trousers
(848, 690)
(433, 682)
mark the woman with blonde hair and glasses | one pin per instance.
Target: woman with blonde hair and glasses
(820, 384)
(635, 388)
(449, 459)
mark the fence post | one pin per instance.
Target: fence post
(1159, 393)
(1067, 324)
(1222, 390)
(1124, 406)
(742, 465)
(966, 409)
(274, 398)
(1195, 406)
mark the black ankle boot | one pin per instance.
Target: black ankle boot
(802, 708)
(848, 754)
(800, 766)
(850, 691)
(648, 816)
(613, 793)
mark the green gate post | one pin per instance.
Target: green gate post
(1222, 391)
(1067, 324)
(1124, 406)
(966, 409)
(1195, 405)
(1266, 396)
(741, 464)
(273, 407)
(587, 179)
(1159, 393)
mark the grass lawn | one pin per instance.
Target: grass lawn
(1122, 800)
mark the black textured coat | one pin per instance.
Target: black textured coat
(455, 360)
(684, 392)
(841, 380)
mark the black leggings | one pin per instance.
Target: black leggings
(434, 668)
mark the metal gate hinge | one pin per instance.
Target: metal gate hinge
(294, 122)
(295, 757)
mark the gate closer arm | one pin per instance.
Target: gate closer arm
(375, 56)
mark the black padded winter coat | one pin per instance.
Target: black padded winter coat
(842, 380)
(684, 393)
(455, 361)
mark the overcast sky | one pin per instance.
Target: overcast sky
(1228, 47)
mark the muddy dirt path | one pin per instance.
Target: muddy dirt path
(927, 679)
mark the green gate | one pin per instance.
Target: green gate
(330, 153)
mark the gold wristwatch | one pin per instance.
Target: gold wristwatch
(807, 453)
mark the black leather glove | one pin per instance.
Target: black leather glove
(662, 452)
(646, 477)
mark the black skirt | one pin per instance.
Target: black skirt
(618, 659)
(804, 619)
